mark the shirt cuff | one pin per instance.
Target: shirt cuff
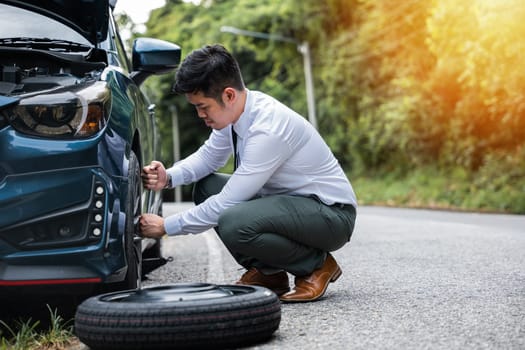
(172, 225)
(177, 177)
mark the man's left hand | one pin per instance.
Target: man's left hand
(152, 226)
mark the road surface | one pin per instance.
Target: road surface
(412, 279)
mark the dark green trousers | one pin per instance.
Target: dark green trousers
(279, 232)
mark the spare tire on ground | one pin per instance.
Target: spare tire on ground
(179, 316)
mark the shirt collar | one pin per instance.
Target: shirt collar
(242, 125)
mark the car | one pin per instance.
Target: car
(75, 131)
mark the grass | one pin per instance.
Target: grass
(24, 335)
(453, 189)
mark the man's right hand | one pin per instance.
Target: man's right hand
(154, 176)
(152, 226)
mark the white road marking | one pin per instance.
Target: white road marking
(215, 269)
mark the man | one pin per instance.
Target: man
(287, 204)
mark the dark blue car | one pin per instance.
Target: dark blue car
(75, 131)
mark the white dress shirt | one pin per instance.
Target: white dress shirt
(280, 153)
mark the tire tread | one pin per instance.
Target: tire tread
(223, 322)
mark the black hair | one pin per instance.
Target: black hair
(209, 70)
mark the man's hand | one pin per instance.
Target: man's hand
(154, 176)
(152, 226)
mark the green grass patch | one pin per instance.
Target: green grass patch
(452, 189)
(23, 335)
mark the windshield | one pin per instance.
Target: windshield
(17, 22)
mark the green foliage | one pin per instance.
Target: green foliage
(437, 188)
(398, 85)
(21, 339)
(59, 333)
(25, 334)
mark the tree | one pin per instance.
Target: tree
(398, 84)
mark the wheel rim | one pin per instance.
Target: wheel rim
(174, 293)
(137, 201)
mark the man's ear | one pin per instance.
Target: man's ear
(229, 95)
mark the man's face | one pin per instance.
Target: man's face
(214, 114)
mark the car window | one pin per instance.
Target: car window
(17, 22)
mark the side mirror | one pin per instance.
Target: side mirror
(153, 56)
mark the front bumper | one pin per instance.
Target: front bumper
(60, 227)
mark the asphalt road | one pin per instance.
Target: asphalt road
(412, 279)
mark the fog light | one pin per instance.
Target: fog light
(98, 218)
(98, 204)
(64, 231)
(99, 190)
(96, 231)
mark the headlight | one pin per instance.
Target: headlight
(63, 113)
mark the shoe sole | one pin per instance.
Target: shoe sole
(279, 292)
(334, 278)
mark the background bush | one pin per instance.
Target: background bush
(404, 90)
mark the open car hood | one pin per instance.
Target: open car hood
(88, 17)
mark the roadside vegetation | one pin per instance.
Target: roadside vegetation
(27, 334)
(431, 188)
(422, 102)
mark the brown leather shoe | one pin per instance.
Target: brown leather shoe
(277, 282)
(312, 287)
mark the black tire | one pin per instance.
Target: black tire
(179, 316)
(132, 243)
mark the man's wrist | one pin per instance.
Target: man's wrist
(169, 181)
